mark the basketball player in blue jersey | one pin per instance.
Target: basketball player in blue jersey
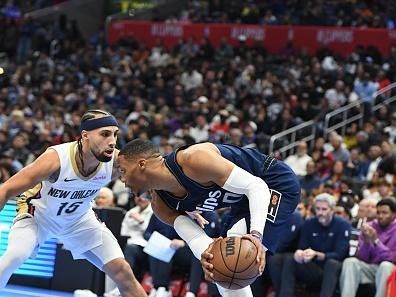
(56, 192)
(262, 192)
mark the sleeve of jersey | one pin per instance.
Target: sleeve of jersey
(242, 182)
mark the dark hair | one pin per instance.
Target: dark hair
(346, 208)
(138, 147)
(89, 115)
(389, 202)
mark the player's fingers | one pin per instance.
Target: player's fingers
(202, 222)
(207, 266)
(261, 265)
(209, 277)
(206, 255)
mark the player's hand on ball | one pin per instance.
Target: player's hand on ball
(205, 262)
(260, 251)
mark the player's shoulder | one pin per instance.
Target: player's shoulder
(50, 155)
(48, 161)
(199, 148)
(196, 153)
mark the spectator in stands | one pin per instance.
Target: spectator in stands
(376, 254)
(336, 97)
(223, 52)
(200, 131)
(104, 198)
(367, 212)
(5, 171)
(284, 121)
(220, 125)
(336, 177)
(274, 264)
(323, 244)
(324, 165)
(353, 166)
(384, 189)
(298, 162)
(191, 78)
(339, 152)
(249, 134)
(236, 137)
(305, 111)
(370, 166)
(133, 226)
(159, 270)
(365, 88)
(183, 258)
(303, 208)
(342, 210)
(391, 129)
(19, 146)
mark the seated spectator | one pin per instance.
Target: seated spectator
(200, 131)
(336, 96)
(104, 198)
(161, 271)
(342, 210)
(323, 244)
(298, 162)
(324, 165)
(391, 129)
(367, 212)
(376, 254)
(336, 176)
(303, 208)
(311, 180)
(370, 166)
(340, 152)
(286, 247)
(384, 189)
(134, 225)
(365, 88)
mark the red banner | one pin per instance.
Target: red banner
(274, 38)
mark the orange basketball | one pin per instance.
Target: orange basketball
(234, 262)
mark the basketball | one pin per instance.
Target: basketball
(234, 262)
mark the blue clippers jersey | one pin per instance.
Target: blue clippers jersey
(213, 197)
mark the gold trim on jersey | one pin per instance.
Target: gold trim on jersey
(23, 205)
(72, 152)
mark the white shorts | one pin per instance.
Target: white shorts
(88, 239)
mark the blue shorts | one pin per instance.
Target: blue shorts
(285, 195)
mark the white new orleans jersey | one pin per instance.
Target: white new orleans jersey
(63, 208)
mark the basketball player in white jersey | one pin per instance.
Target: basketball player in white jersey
(56, 192)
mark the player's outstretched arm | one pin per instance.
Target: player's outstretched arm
(187, 229)
(41, 169)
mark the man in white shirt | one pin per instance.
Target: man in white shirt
(336, 96)
(134, 224)
(298, 161)
(200, 132)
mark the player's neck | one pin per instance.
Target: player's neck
(89, 163)
(168, 182)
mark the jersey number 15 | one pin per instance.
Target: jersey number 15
(66, 207)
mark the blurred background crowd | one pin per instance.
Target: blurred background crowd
(375, 14)
(193, 92)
